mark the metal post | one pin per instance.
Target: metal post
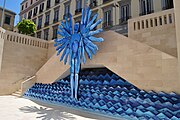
(2, 17)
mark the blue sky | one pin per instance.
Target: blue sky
(13, 5)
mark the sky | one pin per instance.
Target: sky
(13, 5)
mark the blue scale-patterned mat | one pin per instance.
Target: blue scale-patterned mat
(104, 92)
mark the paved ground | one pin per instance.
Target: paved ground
(13, 108)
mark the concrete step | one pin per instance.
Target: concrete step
(17, 93)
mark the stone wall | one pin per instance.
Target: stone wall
(156, 30)
(22, 57)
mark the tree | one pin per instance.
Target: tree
(26, 27)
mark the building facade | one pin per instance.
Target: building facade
(9, 18)
(47, 14)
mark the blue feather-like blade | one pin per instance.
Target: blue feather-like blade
(88, 52)
(95, 24)
(95, 39)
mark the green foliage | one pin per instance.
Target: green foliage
(26, 27)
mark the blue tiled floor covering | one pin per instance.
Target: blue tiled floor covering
(102, 91)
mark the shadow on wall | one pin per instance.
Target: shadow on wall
(45, 113)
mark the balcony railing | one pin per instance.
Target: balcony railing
(107, 25)
(153, 20)
(38, 27)
(46, 23)
(106, 1)
(66, 15)
(93, 4)
(124, 20)
(77, 11)
(55, 20)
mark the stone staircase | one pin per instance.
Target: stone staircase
(18, 93)
(21, 90)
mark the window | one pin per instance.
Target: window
(31, 1)
(48, 4)
(26, 5)
(41, 8)
(78, 4)
(39, 22)
(47, 19)
(46, 34)
(34, 20)
(56, 15)
(39, 34)
(125, 13)
(67, 9)
(55, 29)
(146, 7)
(29, 14)
(25, 16)
(167, 4)
(107, 18)
(22, 8)
(35, 11)
(93, 3)
(7, 19)
(57, 1)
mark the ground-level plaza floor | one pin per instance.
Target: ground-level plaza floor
(14, 108)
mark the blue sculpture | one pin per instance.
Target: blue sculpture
(75, 42)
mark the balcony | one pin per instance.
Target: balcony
(38, 27)
(106, 1)
(55, 20)
(78, 11)
(107, 25)
(93, 4)
(46, 23)
(66, 15)
(124, 20)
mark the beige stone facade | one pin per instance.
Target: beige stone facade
(47, 14)
(8, 20)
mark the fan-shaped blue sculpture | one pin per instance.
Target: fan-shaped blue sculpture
(75, 42)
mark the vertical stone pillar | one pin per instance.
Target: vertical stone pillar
(2, 37)
(157, 5)
(177, 23)
(135, 8)
(100, 16)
